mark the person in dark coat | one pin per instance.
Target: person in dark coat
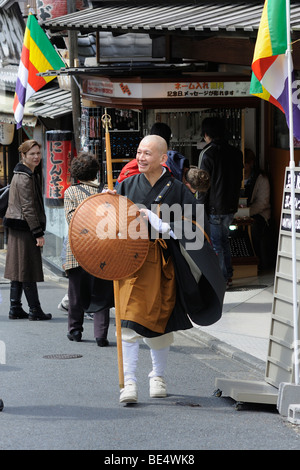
(224, 164)
(26, 222)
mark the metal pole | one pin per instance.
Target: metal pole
(293, 213)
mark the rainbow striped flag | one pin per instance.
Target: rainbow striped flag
(269, 79)
(38, 55)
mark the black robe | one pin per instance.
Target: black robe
(199, 301)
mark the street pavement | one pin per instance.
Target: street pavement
(59, 394)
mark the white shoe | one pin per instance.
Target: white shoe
(158, 387)
(89, 316)
(64, 304)
(129, 394)
(62, 307)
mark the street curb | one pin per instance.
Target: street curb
(225, 348)
(194, 333)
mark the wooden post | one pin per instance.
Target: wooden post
(75, 93)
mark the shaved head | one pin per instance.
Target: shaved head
(159, 142)
(151, 154)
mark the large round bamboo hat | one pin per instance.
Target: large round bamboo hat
(108, 237)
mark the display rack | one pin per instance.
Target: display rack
(280, 359)
(123, 149)
(186, 128)
(244, 259)
(124, 136)
(91, 131)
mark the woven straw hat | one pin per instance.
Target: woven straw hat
(108, 237)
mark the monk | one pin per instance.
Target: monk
(180, 281)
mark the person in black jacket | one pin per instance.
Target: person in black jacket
(224, 163)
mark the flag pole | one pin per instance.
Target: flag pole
(293, 213)
(106, 121)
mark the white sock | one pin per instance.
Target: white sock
(159, 362)
(130, 359)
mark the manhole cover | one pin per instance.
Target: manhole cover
(62, 356)
(244, 288)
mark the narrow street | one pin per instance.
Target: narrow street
(61, 395)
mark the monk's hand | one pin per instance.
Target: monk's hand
(109, 191)
(155, 221)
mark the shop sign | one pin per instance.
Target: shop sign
(100, 88)
(184, 89)
(59, 152)
(207, 89)
(286, 222)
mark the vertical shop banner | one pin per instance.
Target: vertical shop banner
(59, 152)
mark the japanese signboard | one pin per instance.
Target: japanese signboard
(180, 89)
(59, 150)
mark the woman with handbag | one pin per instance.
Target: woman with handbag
(26, 222)
(86, 293)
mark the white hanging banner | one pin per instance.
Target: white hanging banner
(6, 133)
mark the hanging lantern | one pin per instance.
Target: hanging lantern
(6, 133)
(59, 154)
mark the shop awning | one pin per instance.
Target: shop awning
(6, 3)
(52, 103)
(8, 78)
(203, 18)
(7, 116)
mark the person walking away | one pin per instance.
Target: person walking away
(224, 164)
(86, 293)
(25, 220)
